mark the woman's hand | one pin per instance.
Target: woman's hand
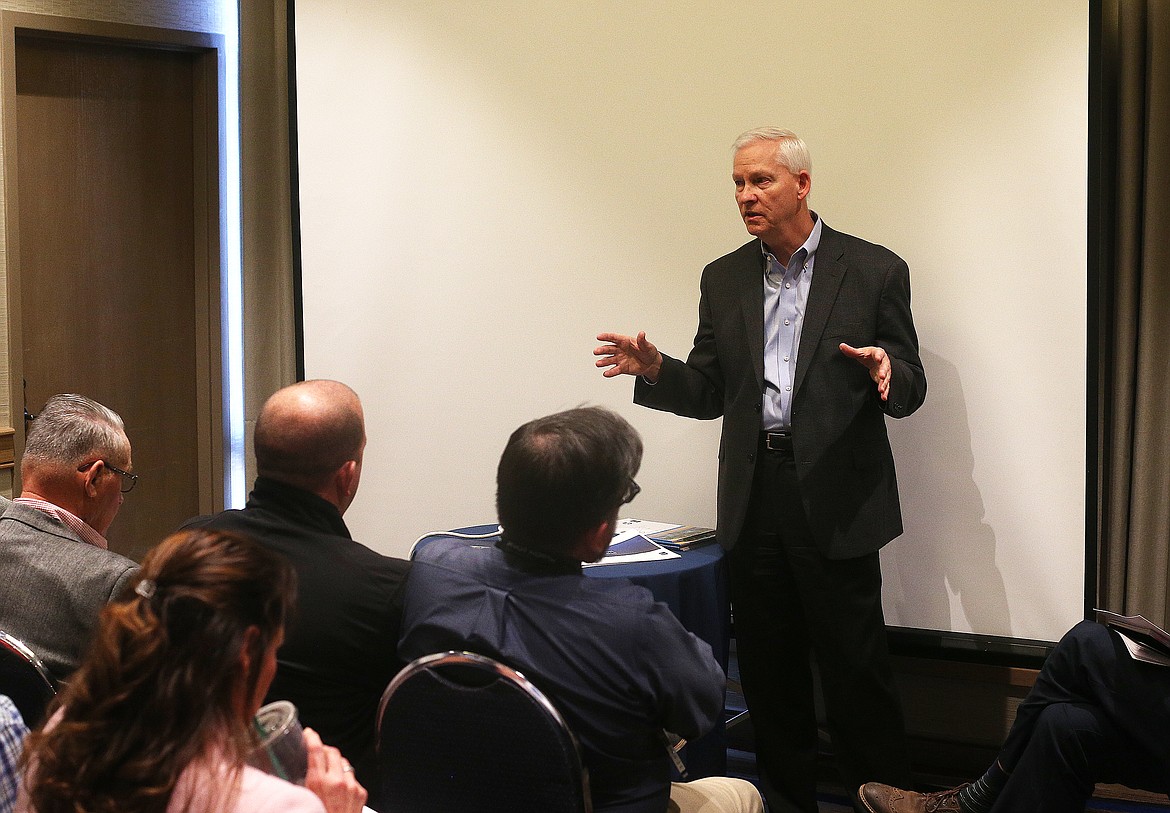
(331, 777)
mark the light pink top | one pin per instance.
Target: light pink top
(259, 793)
(203, 784)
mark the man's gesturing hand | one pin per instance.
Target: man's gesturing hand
(623, 355)
(877, 362)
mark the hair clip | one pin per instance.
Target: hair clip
(145, 588)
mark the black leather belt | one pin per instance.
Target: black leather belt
(777, 441)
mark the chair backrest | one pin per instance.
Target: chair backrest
(459, 731)
(24, 678)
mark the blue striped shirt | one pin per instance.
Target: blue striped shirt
(785, 295)
(12, 734)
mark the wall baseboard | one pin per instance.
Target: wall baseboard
(957, 714)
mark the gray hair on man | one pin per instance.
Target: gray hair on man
(791, 151)
(71, 428)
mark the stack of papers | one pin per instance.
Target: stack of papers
(631, 543)
(1145, 640)
(684, 537)
(673, 536)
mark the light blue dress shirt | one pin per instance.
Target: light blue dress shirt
(785, 296)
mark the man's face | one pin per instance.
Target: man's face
(770, 198)
(109, 495)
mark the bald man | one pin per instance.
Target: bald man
(339, 651)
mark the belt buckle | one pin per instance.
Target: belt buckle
(778, 441)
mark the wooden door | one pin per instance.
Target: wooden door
(117, 264)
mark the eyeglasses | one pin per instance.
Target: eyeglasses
(128, 480)
(633, 491)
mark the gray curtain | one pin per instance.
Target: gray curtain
(1130, 179)
(271, 319)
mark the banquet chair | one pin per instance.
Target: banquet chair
(24, 679)
(459, 731)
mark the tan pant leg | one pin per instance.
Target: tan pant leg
(715, 794)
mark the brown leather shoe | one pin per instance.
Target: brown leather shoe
(879, 798)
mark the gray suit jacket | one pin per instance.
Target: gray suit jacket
(860, 295)
(53, 585)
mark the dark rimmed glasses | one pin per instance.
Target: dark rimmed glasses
(633, 491)
(128, 480)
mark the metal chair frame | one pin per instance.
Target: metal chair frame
(38, 686)
(437, 662)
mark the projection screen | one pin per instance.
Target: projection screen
(486, 186)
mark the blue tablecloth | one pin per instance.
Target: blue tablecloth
(694, 586)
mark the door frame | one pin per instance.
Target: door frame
(209, 140)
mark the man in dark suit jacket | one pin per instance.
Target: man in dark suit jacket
(340, 650)
(56, 572)
(805, 343)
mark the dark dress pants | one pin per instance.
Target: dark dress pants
(791, 605)
(1093, 715)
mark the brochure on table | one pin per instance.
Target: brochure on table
(630, 543)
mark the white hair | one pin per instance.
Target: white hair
(72, 428)
(791, 151)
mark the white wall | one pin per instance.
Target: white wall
(485, 186)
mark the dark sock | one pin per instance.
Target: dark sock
(980, 795)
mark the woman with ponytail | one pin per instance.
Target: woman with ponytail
(158, 719)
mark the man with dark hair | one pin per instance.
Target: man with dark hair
(618, 665)
(339, 652)
(55, 565)
(560, 475)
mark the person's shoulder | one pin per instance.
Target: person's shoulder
(120, 572)
(441, 549)
(622, 593)
(104, 558)
(631, 619)
(440, 562)
(98, 573)
(201, 521)
(25, 520)
(53, 540)
(853, 248)
(206, 785)
(313, 540)
(748, 255)
(366, 558)
(261, 792)
(17, 515)
(245, 521)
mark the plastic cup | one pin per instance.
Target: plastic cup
(281, 749)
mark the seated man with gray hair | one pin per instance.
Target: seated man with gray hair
(617, 664)
(55, 564)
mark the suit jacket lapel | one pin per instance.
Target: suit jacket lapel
(828, 271)
(752, 307)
